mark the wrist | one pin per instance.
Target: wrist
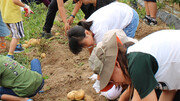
(25, 6)
(72, 16)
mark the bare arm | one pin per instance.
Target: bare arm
(75, 10)
(167, 95)
(12, 98)
(63, 13)
(19, 3)
(125, 95)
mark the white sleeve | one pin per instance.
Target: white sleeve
(99, 29)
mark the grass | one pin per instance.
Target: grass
(34, 24)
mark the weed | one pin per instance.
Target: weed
(45, 77)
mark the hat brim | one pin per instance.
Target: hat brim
(109, 63)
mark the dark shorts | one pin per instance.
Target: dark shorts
(150, 0)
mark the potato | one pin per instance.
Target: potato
(79, 94)
(34, 42)
(56, 34)
(43, 55)
(88, 98)
(26, 42)
(71, 95)
(25, 45)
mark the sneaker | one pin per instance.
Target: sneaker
(150, 21)
(153, 22)
(18, 49)
(147, 19)
(2, 45)
(46, 35)
(10, 56)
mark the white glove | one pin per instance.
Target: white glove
(93, 77)
(96, 86)
(113, 93)
(27, 10)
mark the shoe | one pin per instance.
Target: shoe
(18, 49)
(147, 19)
(46, 35)
(10, 56)
(2, 45)
(153, 22)
(150, 21)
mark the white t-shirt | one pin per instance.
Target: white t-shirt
(116, 15)
(164, 46)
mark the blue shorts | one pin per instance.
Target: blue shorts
(130, 30)
(4, 31)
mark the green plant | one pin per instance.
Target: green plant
(45, 77)
(172, 26)
(141, 12)
(160, 5)
(69, 7)
(33, 24)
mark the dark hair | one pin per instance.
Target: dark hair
(121, 58)
(85, 24)
(76, 34)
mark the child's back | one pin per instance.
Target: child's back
(11, 13)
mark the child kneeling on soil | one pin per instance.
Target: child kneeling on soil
(152, 63)
(18, 82)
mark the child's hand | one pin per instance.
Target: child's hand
(27, 10)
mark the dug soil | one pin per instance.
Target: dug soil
(66, 72)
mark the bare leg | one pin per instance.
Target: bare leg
(13, 44)
(167, 95)
(146, 8)
(152, 9)
(2, 39)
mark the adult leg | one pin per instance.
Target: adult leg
(36, 66)
(46, 2)
(52, 9)
(146, 8)
(152, 9)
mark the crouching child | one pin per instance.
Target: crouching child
(17, 82)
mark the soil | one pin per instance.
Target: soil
(66, 71)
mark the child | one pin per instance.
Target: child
(115, 15)
(152, 63)
(17, 82)
(88, 8)
(11, 14)
(4, 31)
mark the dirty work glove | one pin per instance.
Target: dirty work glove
(27, 10)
